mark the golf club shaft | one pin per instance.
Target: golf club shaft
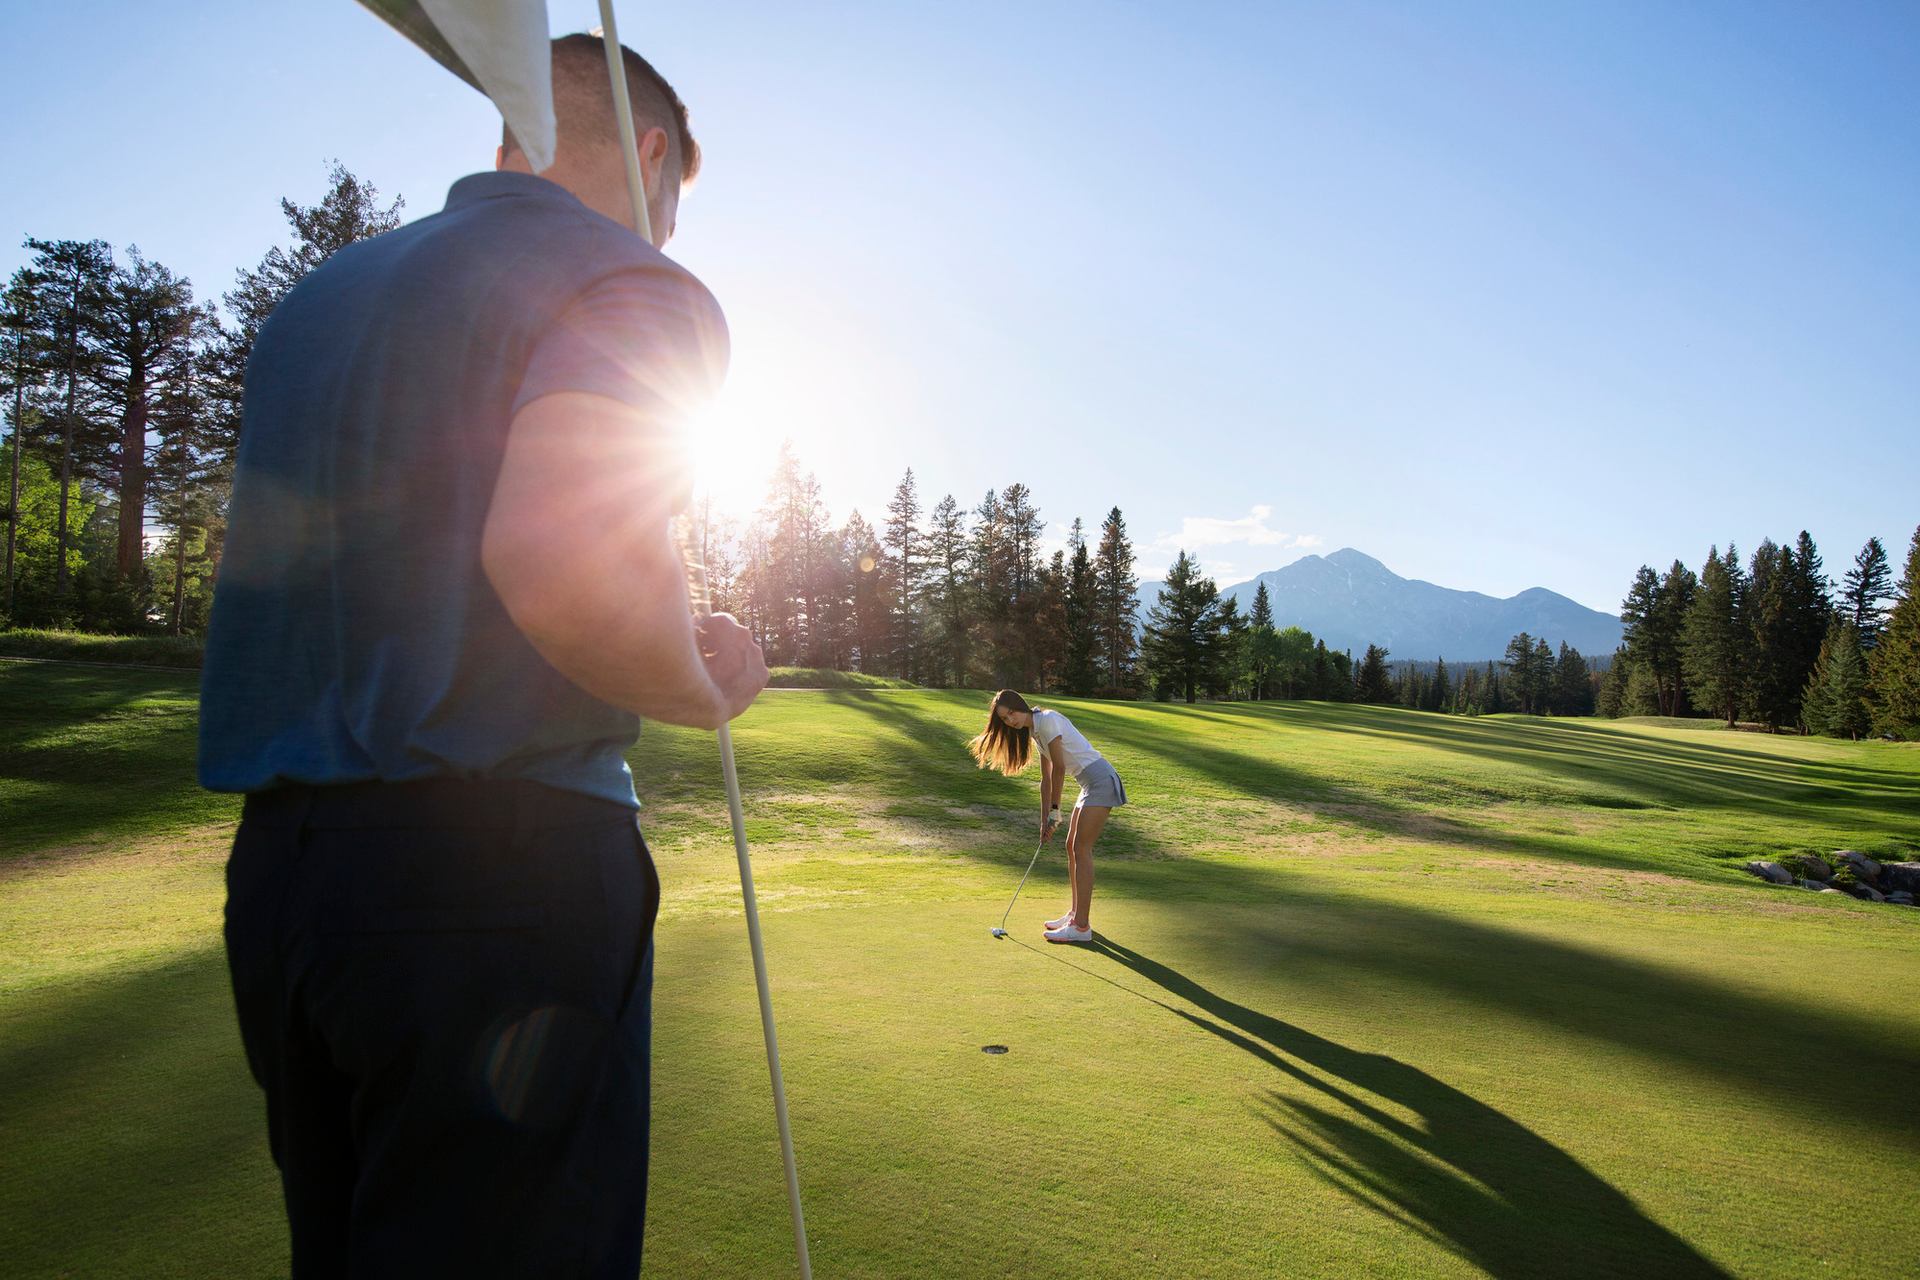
(1023, 884)
(766, 998)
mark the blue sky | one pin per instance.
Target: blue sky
(1504, 295)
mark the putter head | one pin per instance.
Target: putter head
(999, 933)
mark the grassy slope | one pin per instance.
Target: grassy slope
(1382, 993)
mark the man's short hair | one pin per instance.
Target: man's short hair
(583, 102)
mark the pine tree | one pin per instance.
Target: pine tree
(1442, 690)
(1611, 699)
(65, 284)
(1081, 673)
(905, 562)
(1775, 675)
(1494, 701)
(1114, 596)
(1894, 674)
(1521, 678)
(1809, 599)
(1835, 699)
(1322, 681)
(1572, 683)
(947, 544)
(1229, 671)
(1372, 682)
(1262, 644)
(141, 317)
(349, 211)
(1655, 613)
(872, 611)
(1868, 583)
(1182, 631)
(1020, 642)
(181, 483)
(1715, 641)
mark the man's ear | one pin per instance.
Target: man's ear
(499, 158)
(653, 159)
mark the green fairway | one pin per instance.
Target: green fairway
(1378, 993)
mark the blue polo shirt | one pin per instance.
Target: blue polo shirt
(354, 634)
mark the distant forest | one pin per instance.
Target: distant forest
(1773, 642)
(123, 396)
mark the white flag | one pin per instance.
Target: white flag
(500, 47)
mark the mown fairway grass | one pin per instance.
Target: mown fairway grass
(1379, 994)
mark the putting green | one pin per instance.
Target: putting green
(1378, 993)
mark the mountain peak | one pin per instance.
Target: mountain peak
(1351, 600)
(1350, 559)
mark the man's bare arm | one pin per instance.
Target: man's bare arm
(577, 545)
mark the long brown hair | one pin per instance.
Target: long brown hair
(998, 746)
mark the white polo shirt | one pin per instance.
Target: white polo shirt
(1048, 725)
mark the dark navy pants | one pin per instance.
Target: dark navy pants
(445, 990)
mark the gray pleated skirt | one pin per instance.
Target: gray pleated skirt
(1100, 785)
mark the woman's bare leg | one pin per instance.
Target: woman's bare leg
(1087, 821)
(1073, 897)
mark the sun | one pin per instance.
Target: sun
(733, 444)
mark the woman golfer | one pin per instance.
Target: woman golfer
(1006, 744)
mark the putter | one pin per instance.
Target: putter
(1001, 931)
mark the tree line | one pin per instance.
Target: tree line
(122, 392)
(1772, 641)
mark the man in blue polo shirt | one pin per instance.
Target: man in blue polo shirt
(449, 593)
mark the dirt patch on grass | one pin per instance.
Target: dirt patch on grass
(209, 842)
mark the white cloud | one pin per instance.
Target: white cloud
(1197, 533)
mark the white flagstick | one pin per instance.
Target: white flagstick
(702, 603)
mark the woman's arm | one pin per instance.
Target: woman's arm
(1057, 756)
(1047, 791)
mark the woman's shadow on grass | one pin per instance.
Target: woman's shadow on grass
(1460, 1173)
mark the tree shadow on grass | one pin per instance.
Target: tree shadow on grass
(1461, 1173)
(1768, 1042)
(136, 1140)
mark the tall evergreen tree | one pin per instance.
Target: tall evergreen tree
(905, 562)
(181, 483)
(1230, 667)
(1182, 630)
(1716, 638)
(1777, 669)
(872, 604)
(1867, 584)
(1612, 696)
(141, 317)
(66, 282)
(1572, 683)
(1373, 682)
(1810, 609)
(1523, 676)
(1655, 613)
(1114, 588)
(1262, 644)
(1835, 699)
(1894, 673)
(1081, 671)
(947, 547)
(349, 211)
(1441, 696)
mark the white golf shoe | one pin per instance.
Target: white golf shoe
(1065, 919)
(1068, 933)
